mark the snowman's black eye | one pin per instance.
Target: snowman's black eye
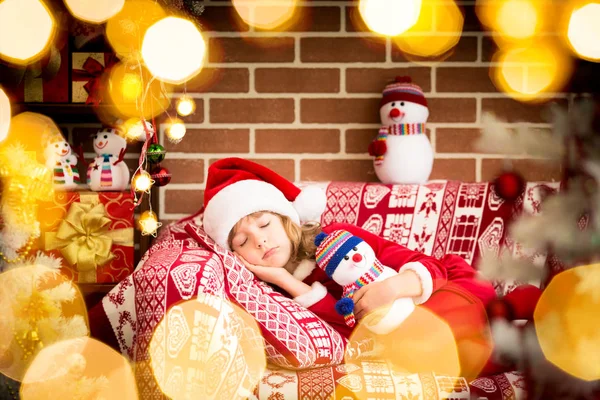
(393, 104)
(346, 257)
(402, 104)
(95, 136)
(66, 144)
(56, 145)
(355, 249)
(105, 136)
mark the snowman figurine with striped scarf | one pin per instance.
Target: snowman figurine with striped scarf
(61, 160)
(351, 263)
(108, 171)
(402, 151)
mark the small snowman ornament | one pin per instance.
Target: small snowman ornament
(351, 262)
(402, 151)
(108, 171)
(62, 161)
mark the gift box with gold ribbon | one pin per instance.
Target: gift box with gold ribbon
(92, 232)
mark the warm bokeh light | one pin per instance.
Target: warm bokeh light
(517, 19)
(135, 131)
(94, 11)
(5, 114)
(436, 32)
(427, 344)
(30, 130)
(125, 31)
(215, 351)
(389, 17)
(26, 29)
(185, 106)
(525, 73)
(39, 307)
(142, 182)
(173, 50)
(148, 223)
(82, 368)
(566, 321)
(584, 31)
(135, 93)
(265, 14)
(175, 130)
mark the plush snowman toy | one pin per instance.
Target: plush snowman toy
(402, 151)
(108, 171)
(63, 162)
(351, 262)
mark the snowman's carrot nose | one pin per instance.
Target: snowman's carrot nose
(395, 113)
(356, 257)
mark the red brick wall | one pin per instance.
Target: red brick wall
(305, 102)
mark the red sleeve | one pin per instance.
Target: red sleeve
(396, 256)
(325, 309)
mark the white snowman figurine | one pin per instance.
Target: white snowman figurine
(61, 160)
(351, 262)
(402, 151)
(108, 171)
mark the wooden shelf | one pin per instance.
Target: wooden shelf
(62, 113)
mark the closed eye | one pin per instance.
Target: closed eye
(265, 225)
(244, 242)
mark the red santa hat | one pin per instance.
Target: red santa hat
(236, 187)
(402, 89)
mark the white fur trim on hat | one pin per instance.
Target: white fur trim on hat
(425, 278)
(239, 199)
(310, 203)
(316, 294)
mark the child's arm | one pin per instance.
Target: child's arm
(432, 273)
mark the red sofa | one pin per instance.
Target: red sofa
(304, 355)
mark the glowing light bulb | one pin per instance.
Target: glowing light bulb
(148, 223)
(4, 115)
(142, 182)
(185, 106)
(173, 50)
(176, 131)
(584, 31)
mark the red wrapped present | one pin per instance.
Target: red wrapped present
(88, 76)
(47, 81)
(92, 232)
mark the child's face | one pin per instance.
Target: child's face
(262, 240)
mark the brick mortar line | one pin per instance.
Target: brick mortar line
(345, 34)
(332, 125)
(354, 95)
(361, 65)
(206, 157)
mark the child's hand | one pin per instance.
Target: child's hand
(372, 297)
(272, 275)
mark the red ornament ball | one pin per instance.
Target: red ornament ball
(160, 175)
(509, 185)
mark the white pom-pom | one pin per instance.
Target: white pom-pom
(134, 130)
(310, 203)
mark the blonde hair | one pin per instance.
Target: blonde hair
(302, 237)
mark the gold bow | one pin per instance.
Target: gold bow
(84, 238)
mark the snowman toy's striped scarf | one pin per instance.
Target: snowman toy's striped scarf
(106, 173)
(349, 290)
(397, 130)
